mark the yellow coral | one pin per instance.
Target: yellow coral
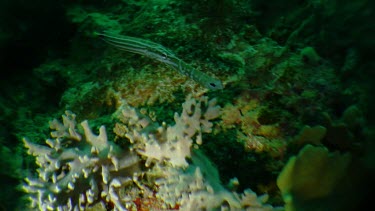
(311, 175)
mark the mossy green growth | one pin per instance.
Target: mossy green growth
(310, 56)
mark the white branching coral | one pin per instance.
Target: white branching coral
(78, 170)
(173, 143)
(199, 188)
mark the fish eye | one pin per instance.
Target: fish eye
(165, 56)
(215, 85)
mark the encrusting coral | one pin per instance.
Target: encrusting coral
(79, 171)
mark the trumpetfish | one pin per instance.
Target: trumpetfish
(161, 54)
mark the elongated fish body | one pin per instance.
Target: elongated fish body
(162, 54)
